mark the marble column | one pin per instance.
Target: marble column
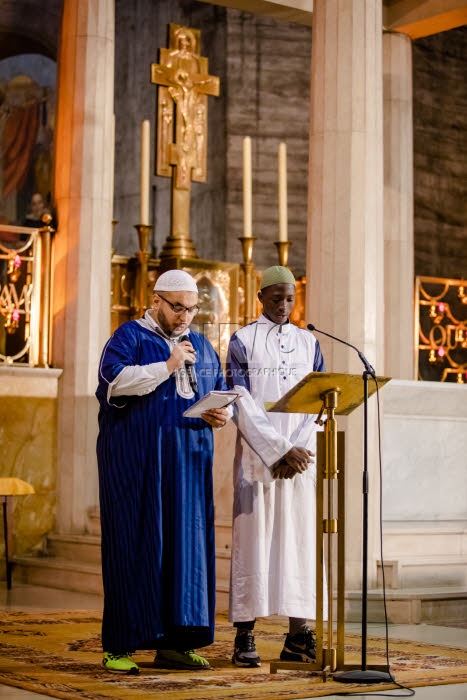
(398, 207)
(81, 307)
(345, 287)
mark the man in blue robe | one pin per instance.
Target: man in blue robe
(155, 483)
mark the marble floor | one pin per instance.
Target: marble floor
(22, 597)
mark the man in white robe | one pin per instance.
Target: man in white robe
(273, 569)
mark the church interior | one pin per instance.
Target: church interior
(329, 137)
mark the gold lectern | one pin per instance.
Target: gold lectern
(331, 394)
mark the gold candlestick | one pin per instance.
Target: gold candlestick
(247, 247)
(283, 251)
(249, 274)
(143, 255)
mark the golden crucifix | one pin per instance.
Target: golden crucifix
(182, 119)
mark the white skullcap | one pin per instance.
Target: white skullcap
(175, 281)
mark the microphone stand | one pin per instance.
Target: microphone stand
(363, 674)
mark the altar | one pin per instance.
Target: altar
(358, 255)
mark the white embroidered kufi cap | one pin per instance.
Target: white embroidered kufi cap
(175, 281)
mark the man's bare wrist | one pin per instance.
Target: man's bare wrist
(172, 365)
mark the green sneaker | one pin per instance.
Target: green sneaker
(188, 660)
(119, 663)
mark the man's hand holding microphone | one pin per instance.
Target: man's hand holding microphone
(184, 354)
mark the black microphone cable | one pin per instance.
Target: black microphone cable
(411, 691)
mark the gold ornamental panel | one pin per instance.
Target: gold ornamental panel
(20, 278)
(219, 300)
(441, 329)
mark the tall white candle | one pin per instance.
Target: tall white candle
(282, 157)
(145, 159)
(112, 165)
(247, 194)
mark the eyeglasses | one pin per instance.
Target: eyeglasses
(179, 309)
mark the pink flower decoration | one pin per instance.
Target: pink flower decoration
(15, 315)
(17, 262)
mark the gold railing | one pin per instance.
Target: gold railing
(441, 329)
(25, 294)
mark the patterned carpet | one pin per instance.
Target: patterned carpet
(59, 654)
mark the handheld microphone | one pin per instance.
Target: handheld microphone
(366, 364)
(190, 370)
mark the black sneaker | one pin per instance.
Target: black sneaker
(245, 651)
(300, 647)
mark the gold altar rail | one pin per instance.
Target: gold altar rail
(228, 291)
(441, 329)
(228, 296)
(224, 288)
(25, 294)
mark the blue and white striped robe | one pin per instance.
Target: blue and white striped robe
(156, 501)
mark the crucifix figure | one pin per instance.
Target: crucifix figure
(182, 110)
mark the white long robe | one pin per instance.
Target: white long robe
(273, 569)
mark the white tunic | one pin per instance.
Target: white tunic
(273, 569)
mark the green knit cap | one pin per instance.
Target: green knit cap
(277, 275)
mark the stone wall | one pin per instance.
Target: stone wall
(264, 70)
(28, 444)
(440, 154)
(268, 93)
(264, 67)
(140, 30)
(30, 27)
